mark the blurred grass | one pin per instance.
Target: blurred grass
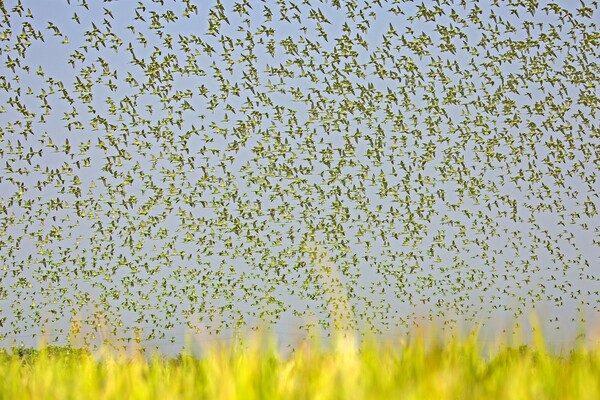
(416, 367)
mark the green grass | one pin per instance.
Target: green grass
(413, 368)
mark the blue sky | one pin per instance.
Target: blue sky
(442, 157)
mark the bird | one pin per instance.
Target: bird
(429, 153)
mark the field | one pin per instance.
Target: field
(411, 368)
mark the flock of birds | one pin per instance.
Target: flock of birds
(341, 162)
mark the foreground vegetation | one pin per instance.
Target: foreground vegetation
(412, 368)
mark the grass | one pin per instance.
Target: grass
(412, 368)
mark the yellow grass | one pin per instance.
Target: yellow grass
(411, 368)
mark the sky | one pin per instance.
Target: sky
(207, 167)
